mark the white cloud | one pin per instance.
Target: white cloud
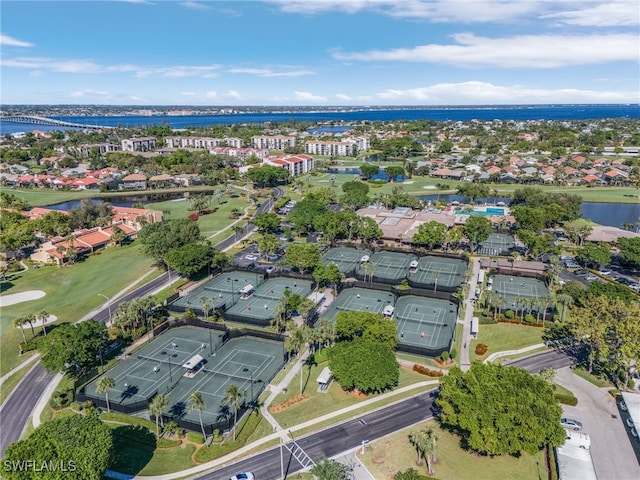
(526, 51)
(87, 92)
(308, 97)
(617, 13)
(211, 94)
(13, 42)
(359, 98)
(233, 94)
(265, 72)
(482, 93)
(188, 94)
(195, 6)
(465, 11)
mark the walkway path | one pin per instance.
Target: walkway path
(506, 353)
(468, 315)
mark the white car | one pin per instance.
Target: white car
(252, 256)
(571, 423)
(630, 422)
(364, 259)
(243, 476)
(623, 406)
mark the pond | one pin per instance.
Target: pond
(120, 201)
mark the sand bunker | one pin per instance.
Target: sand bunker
(6, 300)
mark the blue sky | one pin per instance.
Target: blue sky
(319, 52)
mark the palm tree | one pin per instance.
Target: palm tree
(195, 402)
(19, 323)
(514, 257)
(417, 438)
(429, 447)
(43, 316)
(104, 384)
(436, 274)
(30, 318)
(237, 230)
(204, 303)
(234, 396)
(566, 301)
(156, 406)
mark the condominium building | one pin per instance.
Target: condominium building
(141, 144)
(202, 142)
(343, 148)
(276, 142)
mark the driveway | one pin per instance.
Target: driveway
(613, 450)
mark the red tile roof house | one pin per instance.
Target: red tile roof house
(134, 181)
(56, 250)
(616, 177)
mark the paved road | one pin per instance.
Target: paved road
(615, 453)
(17, 409)
(332, 441)
(349, 435)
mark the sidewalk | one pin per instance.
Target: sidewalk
(465, 363)
(274, 436)
(506, 353)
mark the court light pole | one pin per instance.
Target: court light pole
(230, 281)
(108, 305)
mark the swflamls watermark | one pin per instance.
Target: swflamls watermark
(39, 466)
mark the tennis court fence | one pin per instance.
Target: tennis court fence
(401, 292)
(100, 402)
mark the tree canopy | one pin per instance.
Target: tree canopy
(73, 347)
(189, 259)
(376, 327)
(355, 194)
(158, 238)
(266, 222)
(630, 250)
(477, 229)
(268, 175)
(79, 446)
(500, 410)
(365, 365)
(302, 255)
(430, 233)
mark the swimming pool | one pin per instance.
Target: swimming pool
(484, 213)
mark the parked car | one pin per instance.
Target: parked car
(630, 422)
(273, 257)
(244, 476)
(270, 269)
(571, 423)
(252, 256)
(590, 277)
(606, 273)
(623, 406)
(581, 272)
(634, 432)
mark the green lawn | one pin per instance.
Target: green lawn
(209, 224)
(384, 457)
(506, 336)
(416, 186)
(38, 197)
(322, 403)
(71, 291)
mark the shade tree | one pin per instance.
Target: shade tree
(500, 410)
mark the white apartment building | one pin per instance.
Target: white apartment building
(201, 142)
(343, 148)
(296, 164)
(241, 153)
(276, 142)
(102, 148)
(141, 144)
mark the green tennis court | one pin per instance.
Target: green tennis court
(222, 291)
(426, 323)
(361, 300)
(433, 271)
(345, 258)
(514, 289)
(497, 244)
(184, 360)
(387, 266)
(260, 303)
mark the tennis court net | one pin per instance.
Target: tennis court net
(228, 375)
(272, 296)
(223, 290)
(166, 360)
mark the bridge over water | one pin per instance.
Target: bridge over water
(35, 120)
